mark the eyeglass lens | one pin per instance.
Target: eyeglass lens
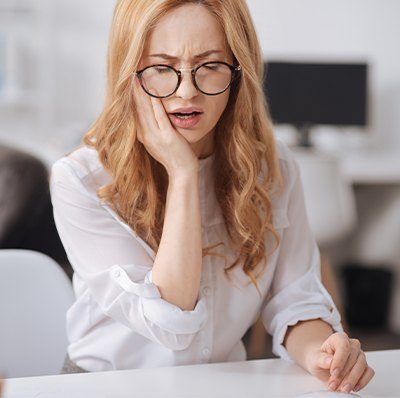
(211, 78)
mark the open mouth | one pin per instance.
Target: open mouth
(181, 115)
(185, 120)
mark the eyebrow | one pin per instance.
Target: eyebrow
(202, 55)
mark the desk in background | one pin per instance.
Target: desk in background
(372, 167)
(268, 378)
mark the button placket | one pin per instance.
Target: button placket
(206, 334)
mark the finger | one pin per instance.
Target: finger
(160, 114)
(143, 102)
(365, 379)
(145, 112)
(324, 361)
(352, 377)
(340, 345)
(355, 351)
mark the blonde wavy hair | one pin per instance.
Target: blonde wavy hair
(243, 136)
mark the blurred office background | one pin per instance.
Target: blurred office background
(52, 75)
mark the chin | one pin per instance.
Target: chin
(192, 136)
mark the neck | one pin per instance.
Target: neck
(204, 147)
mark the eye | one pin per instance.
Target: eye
(162, 69)
(213, 67)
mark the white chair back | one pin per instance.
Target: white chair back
(35, 294)
(329, 198)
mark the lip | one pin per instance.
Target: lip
(187, 110)
(185, 123)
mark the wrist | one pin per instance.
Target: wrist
(304, 341)
(183, 177)
(180, 170)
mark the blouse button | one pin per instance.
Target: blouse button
(117, 273)
(206, 291)
(206, 352)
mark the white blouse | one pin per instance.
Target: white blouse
(119, 319)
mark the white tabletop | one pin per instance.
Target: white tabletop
(372, 167)
(261, 378)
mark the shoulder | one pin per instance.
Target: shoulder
(81, 167)
(289, 171)
(286, 157)
(288, 165)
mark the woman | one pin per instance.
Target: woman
(182, 219)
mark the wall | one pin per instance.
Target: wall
(81, 31)
(366, 30)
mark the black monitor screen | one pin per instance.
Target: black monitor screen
(317, 93)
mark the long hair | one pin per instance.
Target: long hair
(243, 136)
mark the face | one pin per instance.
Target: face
(185, 38)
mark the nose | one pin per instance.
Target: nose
(186, 89)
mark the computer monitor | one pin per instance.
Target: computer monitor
(308, 94)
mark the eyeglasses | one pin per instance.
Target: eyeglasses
(210, 78)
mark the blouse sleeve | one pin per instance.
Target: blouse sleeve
(296, 293)
(115, 265)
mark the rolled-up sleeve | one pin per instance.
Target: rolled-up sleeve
(296, 292)
(115, 266)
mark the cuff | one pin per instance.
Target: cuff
(165, 315)
(144, 290)
(170, 317)
(333, 318)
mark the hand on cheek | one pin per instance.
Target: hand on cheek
(159, 137)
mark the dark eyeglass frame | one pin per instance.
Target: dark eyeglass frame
(235, 70)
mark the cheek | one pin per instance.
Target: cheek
(218, 106)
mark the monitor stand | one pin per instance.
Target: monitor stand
(303, 131)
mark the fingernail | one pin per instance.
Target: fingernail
(347, 388)
(335, 372)
(332, 386)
